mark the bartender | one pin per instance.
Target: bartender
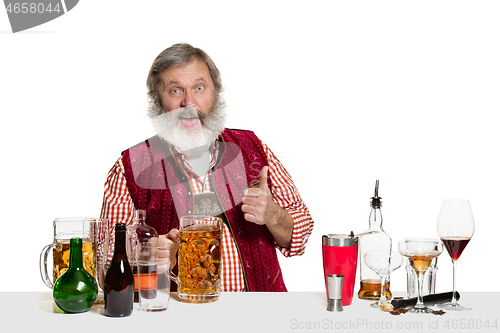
(195, 165)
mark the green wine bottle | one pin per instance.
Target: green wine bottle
(76, 290)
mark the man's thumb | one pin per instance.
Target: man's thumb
(263, 178)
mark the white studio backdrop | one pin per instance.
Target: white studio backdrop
(344, 93)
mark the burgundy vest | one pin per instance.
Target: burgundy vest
(157, 184)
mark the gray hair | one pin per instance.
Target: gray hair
(178, 55)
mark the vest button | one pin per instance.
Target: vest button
(189, 194)
(189, 212)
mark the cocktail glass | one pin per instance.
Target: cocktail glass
(383, 263)
(420, 252)
(455, 226)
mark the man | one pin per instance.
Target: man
(195, 165)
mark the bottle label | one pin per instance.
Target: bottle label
(149, 281)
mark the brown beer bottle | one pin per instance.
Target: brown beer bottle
(119, 280)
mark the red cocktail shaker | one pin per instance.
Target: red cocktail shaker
(340, 256)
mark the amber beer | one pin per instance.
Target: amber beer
(61, 252)
(371, 289)
(92, 232)
(199, 260)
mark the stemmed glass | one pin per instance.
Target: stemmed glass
(455, 226)
(383, 263)
(102, 242)
(420, 252)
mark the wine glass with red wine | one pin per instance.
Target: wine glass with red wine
(455, 226)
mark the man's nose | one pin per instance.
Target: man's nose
(188, 99)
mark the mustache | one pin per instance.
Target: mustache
(188, 112)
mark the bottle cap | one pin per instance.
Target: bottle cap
(139, 214)
(120, 226)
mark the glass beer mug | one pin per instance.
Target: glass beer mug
(199, 259)
(64, 229)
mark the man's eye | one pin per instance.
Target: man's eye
(174, 91)
(199, 88)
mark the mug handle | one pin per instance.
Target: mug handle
(174, 278)
(43, 265)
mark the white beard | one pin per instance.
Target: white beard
(190, 142)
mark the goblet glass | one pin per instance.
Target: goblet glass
(383, 263)
(420, 252)
(455, 226)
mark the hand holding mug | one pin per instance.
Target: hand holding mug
(167, 254)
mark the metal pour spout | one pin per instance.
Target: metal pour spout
(376, 200)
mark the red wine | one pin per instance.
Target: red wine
(455, 245)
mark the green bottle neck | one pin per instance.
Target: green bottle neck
(75, 256)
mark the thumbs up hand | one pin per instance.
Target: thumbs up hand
(259, 208)
(258, 205)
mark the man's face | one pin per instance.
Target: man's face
(187, 85)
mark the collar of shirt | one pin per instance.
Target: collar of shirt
(181, 159)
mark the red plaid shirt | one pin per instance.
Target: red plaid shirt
(118, 207)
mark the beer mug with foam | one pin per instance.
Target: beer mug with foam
(199, 258)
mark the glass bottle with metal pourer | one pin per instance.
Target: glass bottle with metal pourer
(375, 238)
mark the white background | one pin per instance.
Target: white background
(344, 92)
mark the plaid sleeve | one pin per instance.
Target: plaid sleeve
(286, 195)
(117, 205)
